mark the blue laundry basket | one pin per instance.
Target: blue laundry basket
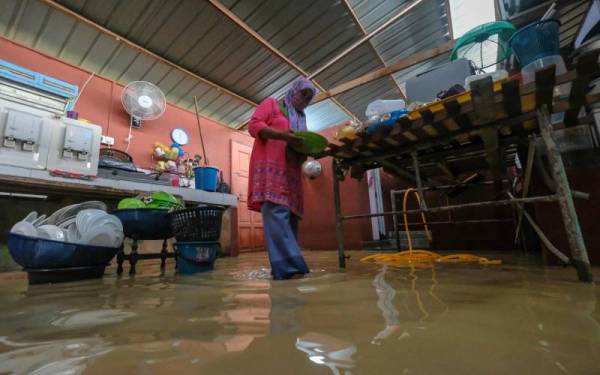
(206, 178)
(195, 257)
(535, 41)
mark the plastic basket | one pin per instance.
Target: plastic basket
(145, 223)
(197, 224)
(194, 257)
(536, 40)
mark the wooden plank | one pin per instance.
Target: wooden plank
(512, 99)
(586, 66)
(482, 92)
(380, 73)
(545, 80)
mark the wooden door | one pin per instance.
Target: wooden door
(249, 223)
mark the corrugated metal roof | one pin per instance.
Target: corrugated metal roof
(425, 27)
(36, 25)
(196, 36)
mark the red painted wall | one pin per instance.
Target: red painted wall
(317, 230)
(101, 104)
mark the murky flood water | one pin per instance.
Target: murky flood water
(455, 319)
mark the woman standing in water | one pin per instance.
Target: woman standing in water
(275, 183)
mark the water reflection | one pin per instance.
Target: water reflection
(328, 351)
(410, 296)
(51, 357)
(233, 321)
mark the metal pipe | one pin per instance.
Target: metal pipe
(339, 223)
(365, 38)
(567, 207)
(545, 198)
(444, 187)
(482, 221)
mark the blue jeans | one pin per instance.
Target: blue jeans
(281, 237)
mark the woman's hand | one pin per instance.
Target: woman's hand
(286, 136)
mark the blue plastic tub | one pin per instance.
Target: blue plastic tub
(194, 257)
(535, 41)
(145, 223)
(35, 253)
(206, 178)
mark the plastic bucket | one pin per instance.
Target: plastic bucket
(194, 257)
(206, 178)
(535, 41)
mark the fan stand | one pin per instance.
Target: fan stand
(136, 122)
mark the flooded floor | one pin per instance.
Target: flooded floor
(455, 319)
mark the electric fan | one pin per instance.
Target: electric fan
(143, 101)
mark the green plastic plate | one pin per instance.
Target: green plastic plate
(313, 143)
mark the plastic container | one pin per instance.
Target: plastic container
(145, 223)
(387, 120)
(535, 41)
(41, 254)
(195, 257)
(380, 108)
(498, 75)
(206, 178)
(528, 71)
(197, 224)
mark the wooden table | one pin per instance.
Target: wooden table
(475, 130)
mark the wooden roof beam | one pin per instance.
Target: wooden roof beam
(244, 26)
(380, 73)
(121, 39)
(364, 32)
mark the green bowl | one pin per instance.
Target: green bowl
(313, 143)
(130, 203)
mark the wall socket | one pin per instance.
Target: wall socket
(106, 140)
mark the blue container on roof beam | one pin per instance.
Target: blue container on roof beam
(535, 41)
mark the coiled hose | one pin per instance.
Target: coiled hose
(419, 257)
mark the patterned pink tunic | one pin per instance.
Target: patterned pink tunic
(272, 178)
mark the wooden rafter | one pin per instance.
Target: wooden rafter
(121, 39)
(364, 32)
(377, 74)
(244, 26)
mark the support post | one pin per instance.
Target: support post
(395, 218)
(417, 169)
(422, 203)
(526, 182)
(579, 256)
(339, 225)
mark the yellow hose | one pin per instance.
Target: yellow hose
(419, 257)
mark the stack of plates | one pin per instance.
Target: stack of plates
(86, 223)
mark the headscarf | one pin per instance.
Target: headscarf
(297, 118)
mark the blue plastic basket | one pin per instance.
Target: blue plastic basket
(194, 257)
(206, 178)
(35, 253)
(536, 40)
(145, 223)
